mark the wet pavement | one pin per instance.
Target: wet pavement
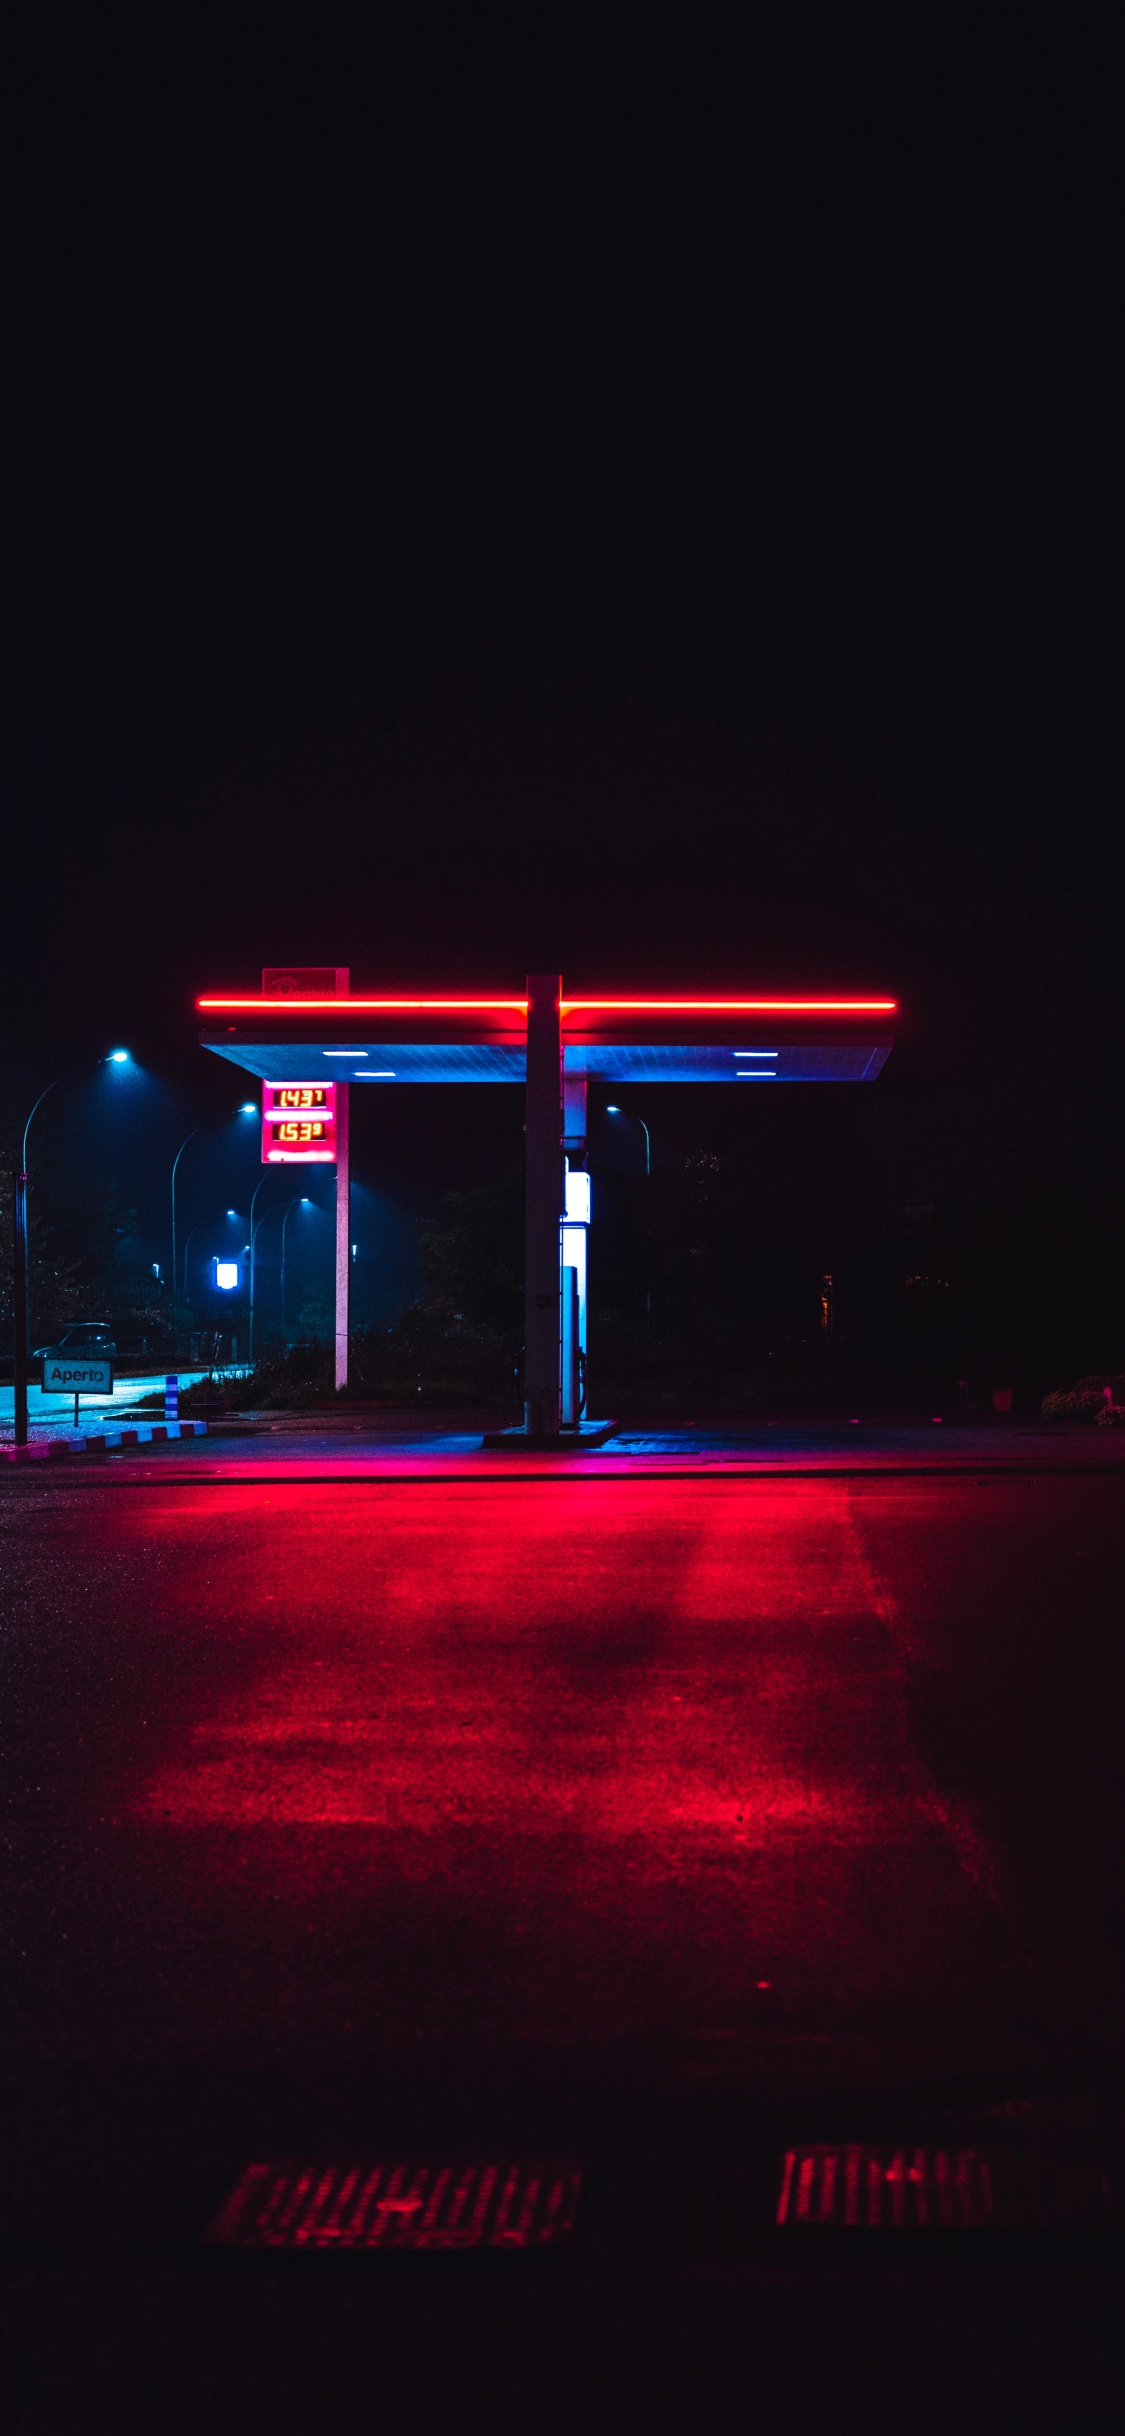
(661, 1810)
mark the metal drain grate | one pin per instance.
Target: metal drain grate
(401, 2206)
(942, 2189)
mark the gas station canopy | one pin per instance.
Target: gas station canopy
(484, 1040)
(308, 1042)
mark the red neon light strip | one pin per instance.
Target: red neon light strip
(344, 1006)
(570, 1006)
(732, 1006)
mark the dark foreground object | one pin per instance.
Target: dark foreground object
(946, 2190)
(507, 2205)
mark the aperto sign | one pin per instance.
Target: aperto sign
(68, 1374)
(298, 1124)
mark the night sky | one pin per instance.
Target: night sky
(631, 493)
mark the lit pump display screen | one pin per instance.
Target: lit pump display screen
(298, 1123)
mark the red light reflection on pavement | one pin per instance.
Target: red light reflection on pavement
(609, 1668)
(461, 1778)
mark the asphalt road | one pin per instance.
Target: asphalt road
(654, 1821)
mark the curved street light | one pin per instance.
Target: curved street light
(306, 1202)
(188, 1137)
(255, 1231)
(639, 1120)
(247, 1108)
(636, 1120)
(115, 1057)
(192, 1230)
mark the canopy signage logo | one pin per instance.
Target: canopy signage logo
(304, 980)
(298, 1124)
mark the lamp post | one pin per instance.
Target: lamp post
(192, 1230)
(247, 1108)
(639, 1120)
(255, 1231)
(188, 1137)
(189, 1238)
(305, 1202)
(116, 1057)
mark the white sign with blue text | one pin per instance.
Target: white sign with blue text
(76, 1374)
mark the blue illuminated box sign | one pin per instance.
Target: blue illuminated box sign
(226, 1275)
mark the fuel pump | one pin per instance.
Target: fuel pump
(572, 1273)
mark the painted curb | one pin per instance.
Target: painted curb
(97, 1442)
(145, 1433)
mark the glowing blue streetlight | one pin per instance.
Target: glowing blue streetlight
(246, 1108)
(118, 1057)
(637, 1120)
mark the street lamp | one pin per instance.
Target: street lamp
(116, 1057)
(255, 1231)
(188, 1137)
(247, 1108)
(639, 1120)
(192, 1230)
(304, 1200)
(188, 1241)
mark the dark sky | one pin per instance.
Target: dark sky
(626, 488)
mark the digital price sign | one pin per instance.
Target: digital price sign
(298, 1124)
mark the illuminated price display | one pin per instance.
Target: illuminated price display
(298, 1123)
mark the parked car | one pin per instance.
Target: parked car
(89, 1337)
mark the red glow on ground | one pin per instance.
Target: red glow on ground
(442, 1665)
(655, 1730)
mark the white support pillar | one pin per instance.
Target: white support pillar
(574, 1237)
(576, 1204)
(543, 1207)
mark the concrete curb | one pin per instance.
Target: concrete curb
(98, 1442)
